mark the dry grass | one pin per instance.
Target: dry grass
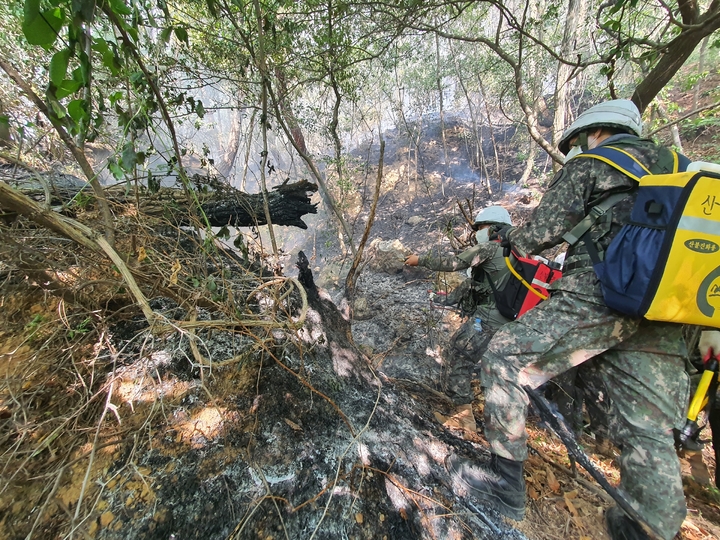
(77, 399)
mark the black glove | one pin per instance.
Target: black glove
(499, 233)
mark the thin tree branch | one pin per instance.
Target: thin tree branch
(77, 153)
(692, 113)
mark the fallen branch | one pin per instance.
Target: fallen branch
(77, 153)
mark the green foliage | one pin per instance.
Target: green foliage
(33, 325)
(42, 27)
(59, 66)
(81, 329)
(83, 200)
(692, 79)
(223, 233)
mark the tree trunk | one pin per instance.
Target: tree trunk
(675, 55)
(662, 113)
(569, 44)
(701, 69)
(498, 170)
(530, 163)
(289, 124)
(438, 79)
(287, 204)
(224, 164)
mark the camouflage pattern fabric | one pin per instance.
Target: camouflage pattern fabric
(641, 362)
(580, 386)
(467, 344)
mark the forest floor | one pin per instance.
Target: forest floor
(106, 429)
(563, 503)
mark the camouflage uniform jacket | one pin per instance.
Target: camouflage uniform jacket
(574, 190)
(487, 257)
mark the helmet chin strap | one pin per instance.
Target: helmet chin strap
(582, 141)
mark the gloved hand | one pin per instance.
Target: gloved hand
(499, 233)
(709, 345)
(412, 260)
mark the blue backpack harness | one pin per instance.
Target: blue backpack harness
(665, 263)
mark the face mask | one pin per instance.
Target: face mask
(574, 151)
(482, 236)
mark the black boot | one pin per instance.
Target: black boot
(499, 482)
(622, 527)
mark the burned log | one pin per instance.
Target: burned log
(220, 203)
(288, 204)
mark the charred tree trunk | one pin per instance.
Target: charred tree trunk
(288, 203)
(223, 206)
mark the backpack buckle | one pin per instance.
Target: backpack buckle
(597, 212)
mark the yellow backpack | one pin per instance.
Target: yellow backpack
(665, 264)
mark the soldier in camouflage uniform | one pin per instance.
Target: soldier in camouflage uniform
(475, 297)
(641, 362)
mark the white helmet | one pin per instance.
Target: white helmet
(618, 113)
(493, 214)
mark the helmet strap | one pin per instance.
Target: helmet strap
(582, 141)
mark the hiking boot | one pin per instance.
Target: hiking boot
(622, 527)
(499, 481)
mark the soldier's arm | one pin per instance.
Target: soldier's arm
(470, 257)
(561, 208)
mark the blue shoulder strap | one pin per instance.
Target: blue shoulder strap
(627, 164)
(682, 161)
(618, 158)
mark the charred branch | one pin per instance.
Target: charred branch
(223, 206)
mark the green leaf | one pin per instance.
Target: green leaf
(129, 157)
(110, 61)
(58, 66)
(617, 7)
(108, 53)
(67, 88)
(115, 169)
(119, 7)
(115, 97)
(31, 9)
(41, 28)
(58, 110)
(77, 111)
(152, 183)
(132, 32)
(182, 35)
(199, 109)
(84, 8)
(165, 34)
(137, 77)
(80, 75)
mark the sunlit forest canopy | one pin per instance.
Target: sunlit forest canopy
(165, 86)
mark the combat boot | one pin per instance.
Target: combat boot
(622, 527)
(499, 481)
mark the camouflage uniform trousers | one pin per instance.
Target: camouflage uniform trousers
(642, 367)
(466, 346)
(582, 385)
(460, 358)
